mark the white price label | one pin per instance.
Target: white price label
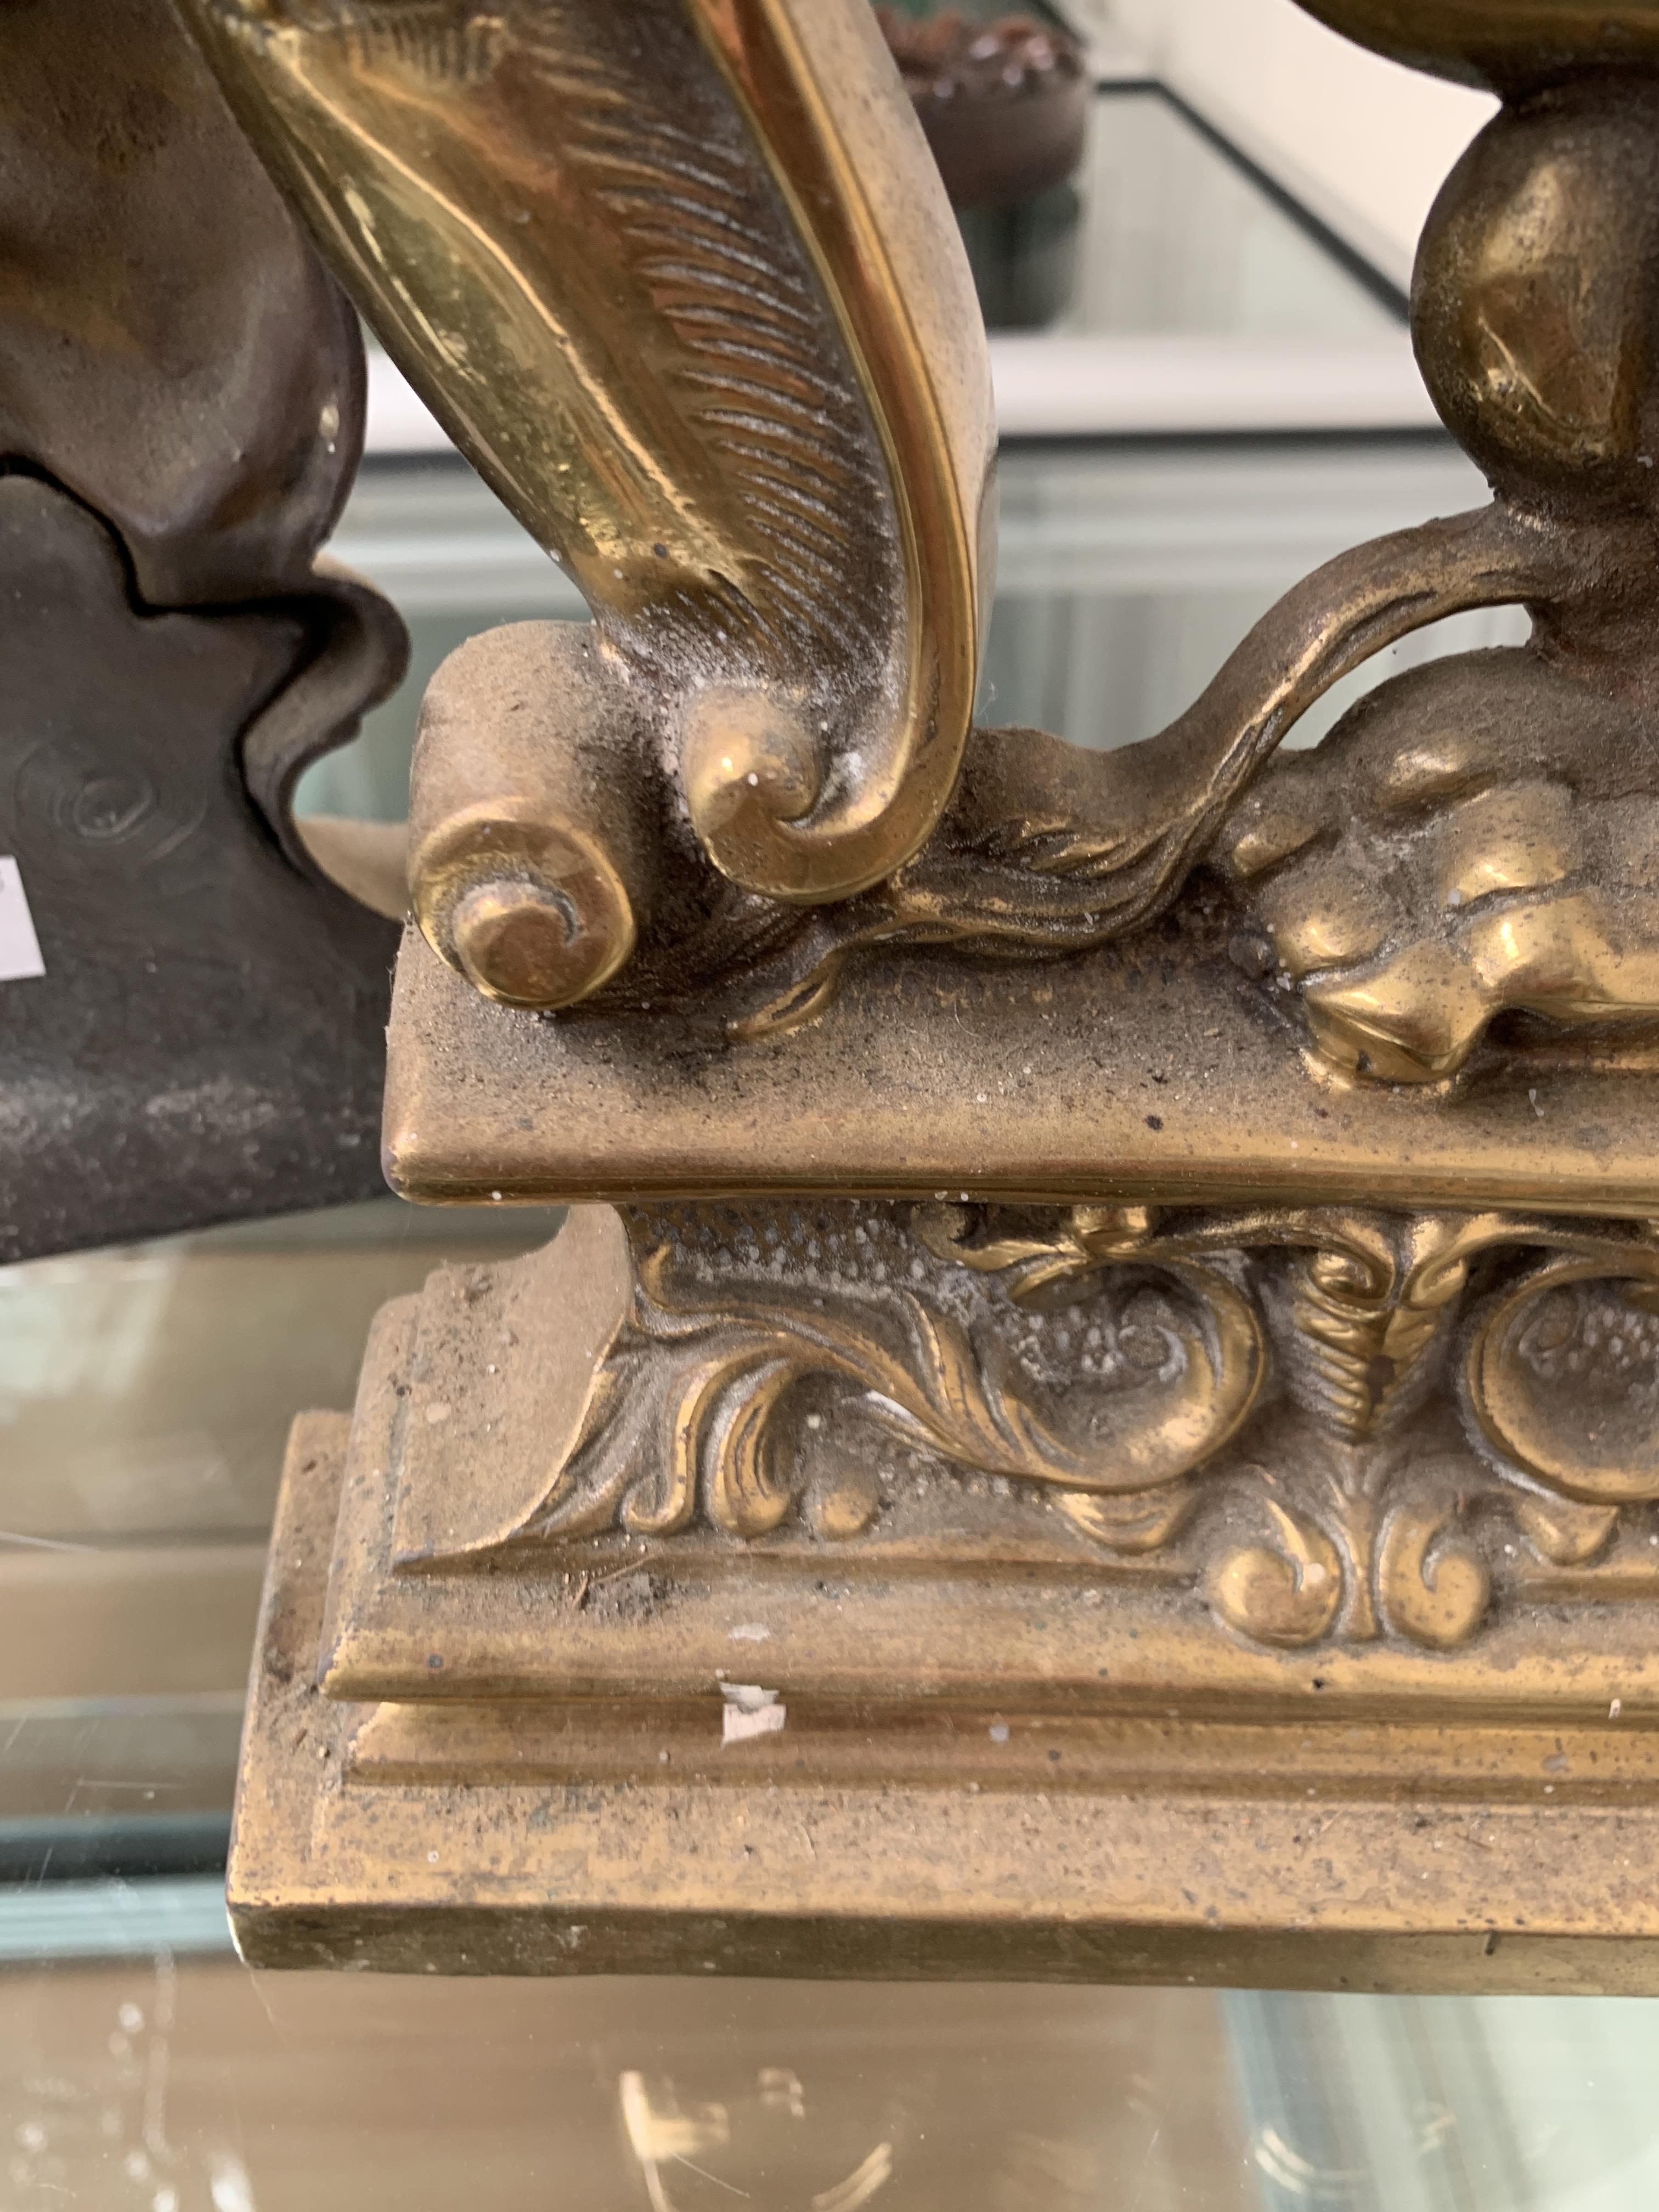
(20, 948)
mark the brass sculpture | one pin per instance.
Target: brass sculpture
(1096, 1413)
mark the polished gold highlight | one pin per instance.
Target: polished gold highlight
(632, 259)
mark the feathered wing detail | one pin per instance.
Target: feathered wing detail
(624, 252)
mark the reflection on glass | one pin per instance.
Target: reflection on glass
(1126, 575)
(1178, 238)
(178, 2084)
(145, 1397)
(1163, 233)
(1024, 258)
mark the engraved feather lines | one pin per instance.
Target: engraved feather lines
(762, 375)
(597, 283)
(432, 38)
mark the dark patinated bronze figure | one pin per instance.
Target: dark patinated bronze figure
(181, 403)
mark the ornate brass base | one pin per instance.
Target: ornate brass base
(724, 1589)
(1158, 1476)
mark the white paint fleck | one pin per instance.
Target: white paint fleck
(749, 1711)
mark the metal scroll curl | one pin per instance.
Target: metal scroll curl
(1561, 1376)
(706, 1407)
(680, 279)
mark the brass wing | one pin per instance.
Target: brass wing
(679, 279)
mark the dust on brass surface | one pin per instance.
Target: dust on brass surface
(1301, 1850)
(1166, 1070)
(1135, 1299)
(1292, 1630)
(1335, 1425)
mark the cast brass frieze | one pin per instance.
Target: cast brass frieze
(1337, 1424)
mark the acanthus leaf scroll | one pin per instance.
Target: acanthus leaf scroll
(1338, 1422)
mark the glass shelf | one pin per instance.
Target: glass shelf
(1126, 574)
(1167, 232)
(145, 1392)
(140, 2066)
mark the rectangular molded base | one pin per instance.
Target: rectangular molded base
(594, 1836)
(1146, 1071)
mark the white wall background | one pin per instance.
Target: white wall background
(1362, 141)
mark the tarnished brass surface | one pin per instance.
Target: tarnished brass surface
(1347, 1429)
(1112, 1429)
(1178, 1066)
(1296, 1835)
(680, 279)
(1133, 1534)
(1510, 44)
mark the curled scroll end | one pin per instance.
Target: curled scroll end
(755, 785)
(1289, 1595)
(537, 892)
(748, 768)
(533, 914)
(841, 809)
(1432, 1588)
(1560, 1376)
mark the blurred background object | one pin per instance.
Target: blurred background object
(1360, 142)
(1004, 103)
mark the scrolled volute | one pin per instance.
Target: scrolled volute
(680, 280)
(1561, 1378)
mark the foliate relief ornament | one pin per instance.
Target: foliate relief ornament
(1413, 883)
(1340, 1423)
